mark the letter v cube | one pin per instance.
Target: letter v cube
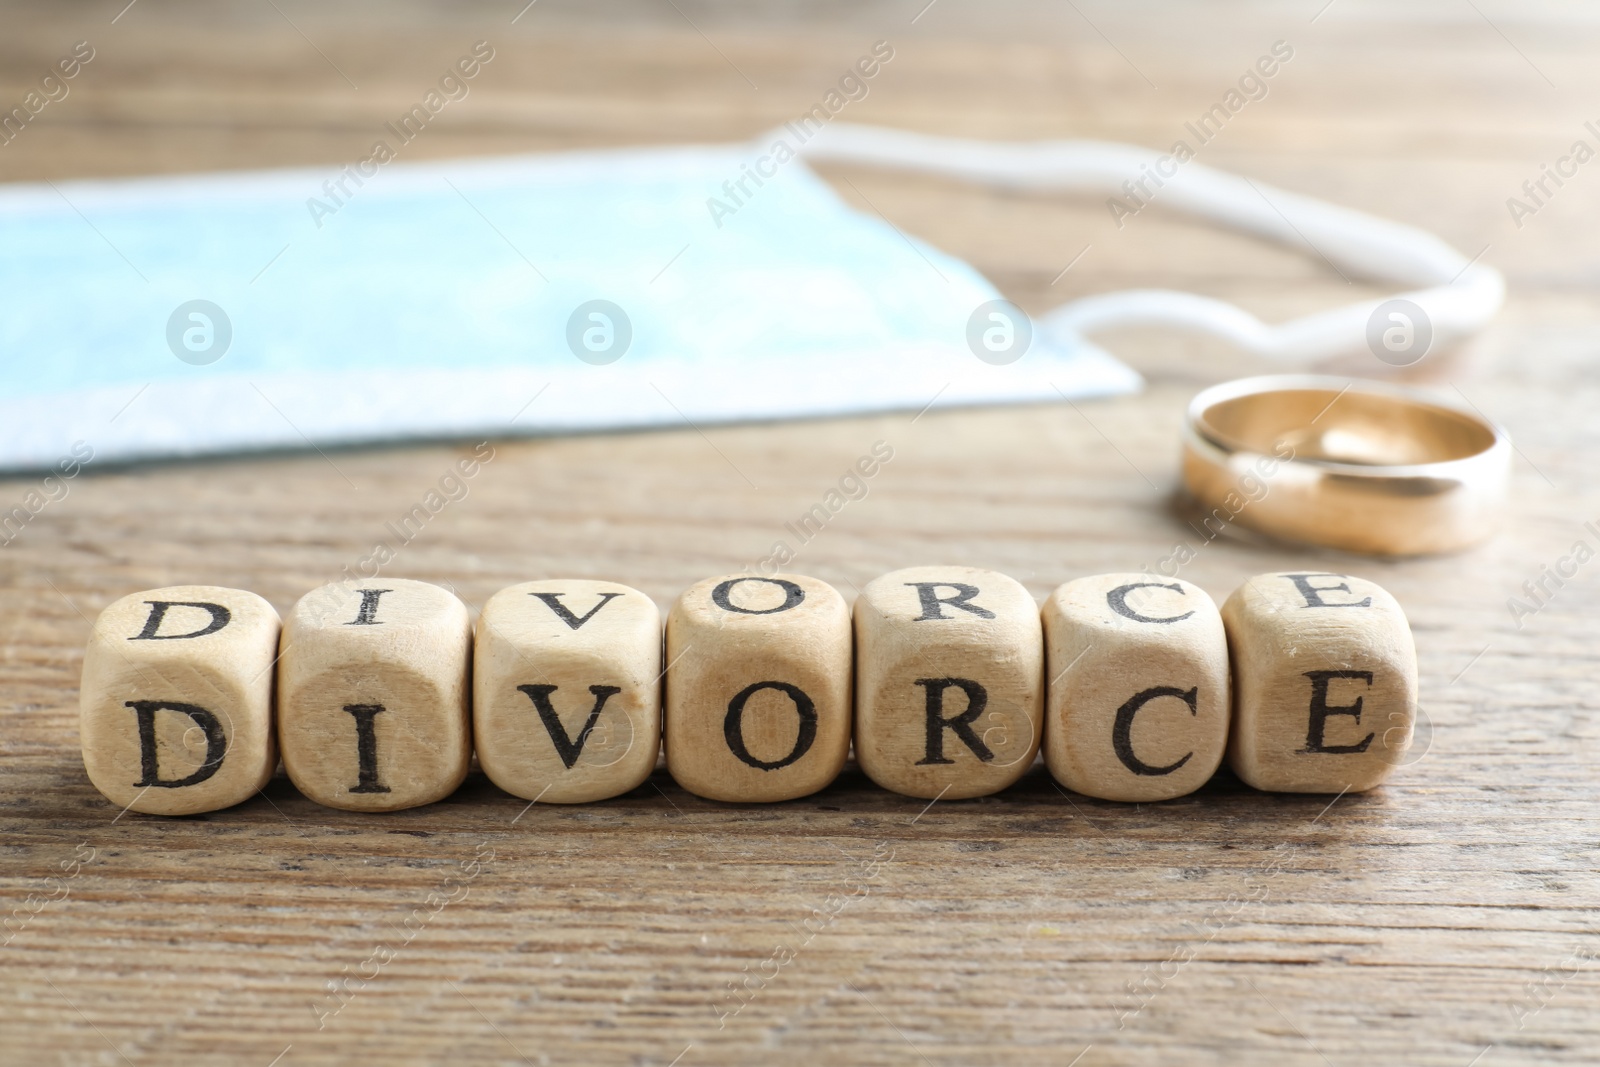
(567, 690)
(176, 699)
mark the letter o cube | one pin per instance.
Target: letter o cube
(373, 694)
(758, 687)
(1324, 682)
(949, 681)
(175, 706)
(1138, 700)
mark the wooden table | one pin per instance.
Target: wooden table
(1450, 915)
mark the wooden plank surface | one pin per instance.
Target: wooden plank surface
(1453, 914)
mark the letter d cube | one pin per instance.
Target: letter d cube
(176, 699)
(1324, 682)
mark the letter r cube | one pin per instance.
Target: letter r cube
(1324, 682)
(949, 681)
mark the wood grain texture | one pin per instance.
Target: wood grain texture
(1449, 915)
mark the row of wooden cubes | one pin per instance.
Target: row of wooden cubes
(948, 680)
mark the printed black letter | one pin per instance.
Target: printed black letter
(216, 742)
(1313, 593)
(553, 602)
(933, 604)
(220, 617)
(961, 725)
(1117, 599)
(1122, 731)
(568, 749)
(366, 743)
(792, 595)
(368, 613)
(1320, 711)
(733, 724)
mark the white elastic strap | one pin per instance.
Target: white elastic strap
(1459, 298)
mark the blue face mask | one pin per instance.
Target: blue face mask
(178, 316)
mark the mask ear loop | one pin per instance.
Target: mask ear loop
(1458, 296)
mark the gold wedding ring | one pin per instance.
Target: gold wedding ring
(1364, 466)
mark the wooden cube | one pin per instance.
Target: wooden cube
(1324, 682)
(176, 699)
(1137, 701)
(373, 694)
(758, 687)
(949, 681)
(566, 689)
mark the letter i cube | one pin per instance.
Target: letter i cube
(373, 693)
(1324, 682)
(567, 690)
(758, 687)
(949, 681)
(176, 699)
(1138, 700)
